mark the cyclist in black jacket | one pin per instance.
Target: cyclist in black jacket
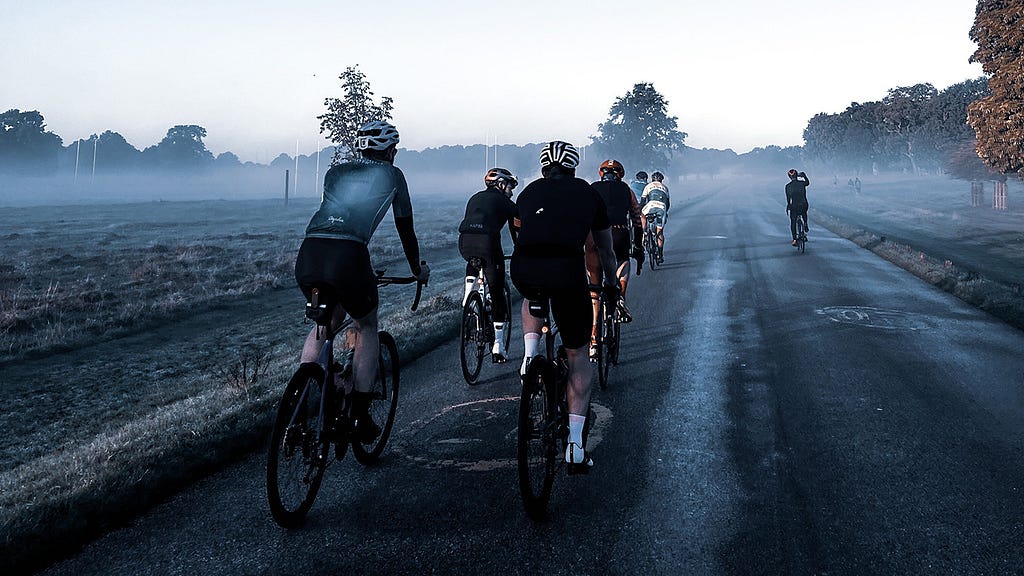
(627, 231)
(556, 213)
(796, 200)
(487, 212)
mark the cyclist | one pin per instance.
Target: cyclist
(796, 200)
(624, 215)
(556, 213)
(356, 196)
(487, 212)
(654, 205)
(638, 184)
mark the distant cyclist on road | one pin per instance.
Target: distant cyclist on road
(796, 200)
(356, 196)
(627, 234)
(654, 205)
(556, 213)
(487, 212)
(638, 184)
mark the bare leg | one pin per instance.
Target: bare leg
(367, 348)
(580, 374)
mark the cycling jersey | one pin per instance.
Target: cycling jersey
(656, 192)
(623, 210)
(796, 194)
(487, 212)
(638, 188)
(357, 195)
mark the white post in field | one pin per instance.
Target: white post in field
(95, 145)
(78, 150)
(296, 183)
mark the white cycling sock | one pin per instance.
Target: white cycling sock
(531, 347)
(499, 339)
(470, 286)
(576, 423)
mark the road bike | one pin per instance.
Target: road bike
(314, 412)
(476, 336)
(801, 233)
(607, 329)
(542, 430)
(651, 241)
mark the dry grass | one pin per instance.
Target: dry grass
(1003, 301)
(142, 430)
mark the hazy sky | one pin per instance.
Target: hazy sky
(737, 73)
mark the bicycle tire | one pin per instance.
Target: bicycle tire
(508, 315)
(472, 334)
(603, 359)
(384, 402)
(614, 346)
(297, 456)
(537, 438)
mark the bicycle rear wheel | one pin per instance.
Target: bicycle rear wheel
(537, 438)
(298, 453)
(603, 339)
(384, 402)
(508, 315)
(472, 338)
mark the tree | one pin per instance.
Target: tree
(998, 119)
(346, 115)
(639, 132)
(963, 163)
(26, 147)
(904, 112)
(181, 148)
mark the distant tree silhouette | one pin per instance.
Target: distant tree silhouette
(639, 132)
(346, 115)
(181, 149)
(26, 147)
(998, 119)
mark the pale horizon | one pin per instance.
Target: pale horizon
(254, 74)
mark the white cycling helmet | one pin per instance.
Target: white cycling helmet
(558, 152)
(376, 135)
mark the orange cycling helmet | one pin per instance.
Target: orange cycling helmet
(612, 166)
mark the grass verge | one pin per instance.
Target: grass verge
(1003, 301)
(54, 505)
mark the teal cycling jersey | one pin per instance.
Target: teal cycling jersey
(357, 195)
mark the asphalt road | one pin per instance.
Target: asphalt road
(773, 413)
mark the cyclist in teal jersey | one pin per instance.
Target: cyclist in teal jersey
(638, 184)
(356, 196)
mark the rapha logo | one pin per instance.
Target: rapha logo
(336, 220)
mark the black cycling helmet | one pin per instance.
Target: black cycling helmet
(657, 177)
(561, 153)
(501, 178)
(792, 173)
(641, 175)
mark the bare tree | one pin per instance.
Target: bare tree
(346, 115)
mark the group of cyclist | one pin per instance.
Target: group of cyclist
(568, 235)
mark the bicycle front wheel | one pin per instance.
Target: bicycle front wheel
(384, 401)
(537, 437)
(472, 338)
(298, 451)
(613, 343)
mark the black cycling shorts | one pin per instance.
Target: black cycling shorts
(564, 282)
(340, 265)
